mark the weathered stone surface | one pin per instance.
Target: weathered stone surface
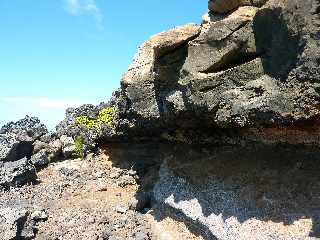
(20, 222)
(55, 149)
(240, 92)
(40, 159)
(225, 6)
(29, 126)
(242, 70)
(16, 148)
(90, 136)
(17, 173)
(141, 75)
(16, 138)
(250, 69)
(234, 32)
(243, 193)
(68, 146)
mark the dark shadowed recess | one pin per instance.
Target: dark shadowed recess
(289, 175)
(279, 45)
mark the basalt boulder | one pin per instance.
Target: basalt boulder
(16, 150)
(16, 138)
(17, 173)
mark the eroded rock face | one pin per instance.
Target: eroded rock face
(30, 126)
(16, 138)
(231, 193)
(142, 73)
(239, 73)
(16, 149)
(240, 70)
(249, 76)
(224, 6)
(17, 173)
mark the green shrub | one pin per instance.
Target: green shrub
(86, 122)
(105, 116)
(79, 147)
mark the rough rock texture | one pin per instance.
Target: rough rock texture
(229, 80)
(253, 68)
(20, 222)
(90, 136)
(246, 79)
(229, 193)
(218, 124)
(224, 6)
(30, 126)
(142, 73)
(248, 75)
(16, 149)
(74, 199)
(16, 138)
(40, 159)
(17, 173)
(68, 146)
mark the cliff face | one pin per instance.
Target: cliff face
(246, 80)
(219, 122)
(251, 68)
(234, 103)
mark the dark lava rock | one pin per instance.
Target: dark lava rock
(30, 126)
(141, 201)
(16, 138)
(19, 222)
(225, 6)
(13, 147)
(17, 173)
(40, 159)
(229, 80)
(16, 149)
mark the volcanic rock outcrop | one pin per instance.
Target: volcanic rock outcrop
(16, 148)
(219, 122)
(241, 93)
(251, 73)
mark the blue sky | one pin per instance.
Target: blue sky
(60, 53)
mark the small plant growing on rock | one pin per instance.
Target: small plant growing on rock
(79, 152)
(105, 116)
(86, 122)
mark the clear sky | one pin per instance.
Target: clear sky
(60, 53)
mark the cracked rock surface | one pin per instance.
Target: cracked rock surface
(213, 134)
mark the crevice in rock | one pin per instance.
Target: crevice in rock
(210, 88)
(20, 226)
(162, 54)
(242, 25)
(231, 60)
